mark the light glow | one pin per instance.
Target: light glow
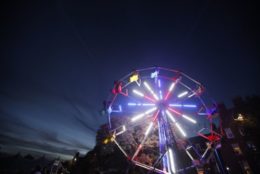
(159, 83)
(141, 104)
(149, 128)
(180, 129)
(143, 114)
(169, 90)
(171, 160)
(160, 92)
(134, 78)
(177, 125)
(150, 90)
(189, 106)
(182, 94)
(148, 104)
(138, 93)
(183, 105)
(170, 116)
(172, 86)
(189, 119)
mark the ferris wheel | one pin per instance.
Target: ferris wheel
(154, 114)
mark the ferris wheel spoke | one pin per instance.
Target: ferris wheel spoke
(137, 117)
(182, 94)
(182, 115)
(140, 94)
(148, 130)
(147, 86)
(177, 105)
(176, 124)
(140, 104)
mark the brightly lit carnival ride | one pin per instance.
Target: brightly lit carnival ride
(153, 115)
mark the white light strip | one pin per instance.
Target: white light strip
(150, 110)
(189, 106)
(148, 104)
(138, 117)
(131, 104)
(175, 105)
(172, 86)
(180, 129)
(138, 93)
(177, 125)
(151, 91)
(170, 116)
(189, 154)
(190, 119)
(182, 94)
(143, 114)
(141, 104)
(184, 105)
(171, 161)
(149, 128)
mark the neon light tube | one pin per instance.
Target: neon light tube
(182, 94)
(149, 128)
(171, 161)
(151, 91)
(138, 93)
(189, 119)
(180, 129)
(143, 114)
(172, 86)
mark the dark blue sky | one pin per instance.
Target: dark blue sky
(59, 60)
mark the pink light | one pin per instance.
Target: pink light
(148, 98)
(176, 112)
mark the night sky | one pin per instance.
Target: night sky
(59, 60)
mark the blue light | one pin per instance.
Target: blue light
(131, 104)
(189, 106)
(141, 104)
(184, 105)
(161, 97)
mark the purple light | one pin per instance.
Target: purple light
(161, 97)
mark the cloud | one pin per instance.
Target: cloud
(46, 122)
